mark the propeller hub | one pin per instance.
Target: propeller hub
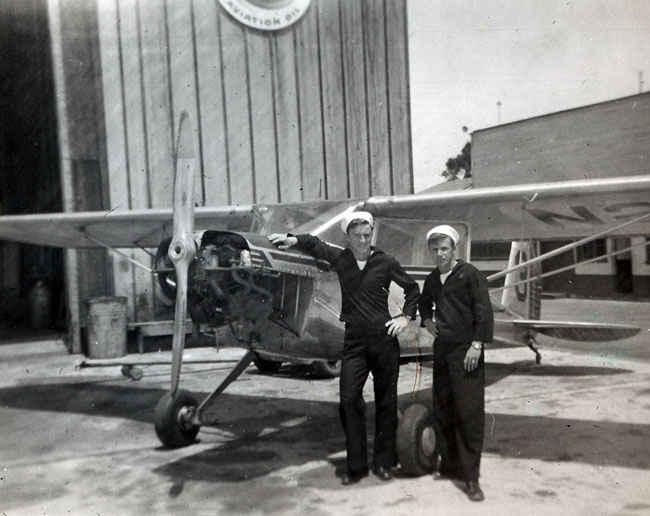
(181, 249)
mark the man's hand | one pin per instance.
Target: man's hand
(431, 327)
(282, 240)
(396, 325)
(472, 356)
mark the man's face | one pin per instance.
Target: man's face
(359, 237)
(443, 252)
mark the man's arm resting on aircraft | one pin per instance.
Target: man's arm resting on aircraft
(306, 243)
(282, 240)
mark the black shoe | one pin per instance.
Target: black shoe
(352, 478)
(383, 473)
(474, 492)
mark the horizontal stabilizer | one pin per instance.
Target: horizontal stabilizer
(580, 331)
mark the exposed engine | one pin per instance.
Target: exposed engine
(224, 287)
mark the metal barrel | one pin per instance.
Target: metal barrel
(107, 323)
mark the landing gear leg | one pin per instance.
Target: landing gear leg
(532, 345)
(241, 366)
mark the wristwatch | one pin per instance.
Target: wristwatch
(477, 346)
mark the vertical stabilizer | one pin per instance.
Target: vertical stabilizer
(523, 299)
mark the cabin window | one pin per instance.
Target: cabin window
(396, 238)
(405, 239)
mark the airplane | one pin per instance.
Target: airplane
(283, 305)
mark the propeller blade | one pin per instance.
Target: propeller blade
(182, 247)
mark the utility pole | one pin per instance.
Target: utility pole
(640, 81)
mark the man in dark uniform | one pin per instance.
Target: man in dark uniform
(370, 343)
(457, 292)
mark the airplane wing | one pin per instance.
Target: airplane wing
(134, 228)
(557, 210)
(148, 227)
(543, 211)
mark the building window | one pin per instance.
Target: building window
(490, 251)
(592, 250)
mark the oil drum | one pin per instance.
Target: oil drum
(107, 324)
(40, 306)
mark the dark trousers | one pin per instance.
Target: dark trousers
(377, 353)
(458, 410)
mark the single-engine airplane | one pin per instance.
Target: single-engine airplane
(282, 305)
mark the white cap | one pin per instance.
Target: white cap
(356, 215)
(444, 230)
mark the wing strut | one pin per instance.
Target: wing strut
(117, 251)
(569, 267)
(565, 248)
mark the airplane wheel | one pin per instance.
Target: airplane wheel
(173, 419)
(326, 368)
(416, 441)
(133, 372)
(265, 366)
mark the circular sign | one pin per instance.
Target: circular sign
(266, 14)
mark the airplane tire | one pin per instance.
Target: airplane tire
(326, 368)
(265, 366)
(132, 372)
(416, 441)
(169, 429)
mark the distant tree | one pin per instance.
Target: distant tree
(462, 161)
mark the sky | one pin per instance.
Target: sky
(532, 56)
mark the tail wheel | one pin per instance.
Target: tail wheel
(326, 368)
(416, 441)
(173, 419)
(265, 366)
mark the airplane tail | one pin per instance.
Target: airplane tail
(523, 300)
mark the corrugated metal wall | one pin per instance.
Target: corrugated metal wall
(318, 110)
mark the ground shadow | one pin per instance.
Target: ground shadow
(553, 439)
(255, 435)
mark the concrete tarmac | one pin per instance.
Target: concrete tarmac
(569, 436)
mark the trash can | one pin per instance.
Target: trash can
(107, 324)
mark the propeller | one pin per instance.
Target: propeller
(182, 248)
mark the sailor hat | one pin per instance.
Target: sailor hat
(356, 215)
(444, 230)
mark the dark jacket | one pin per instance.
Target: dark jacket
(364, 293)
(463, 311)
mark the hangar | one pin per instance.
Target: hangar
(317, 108)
